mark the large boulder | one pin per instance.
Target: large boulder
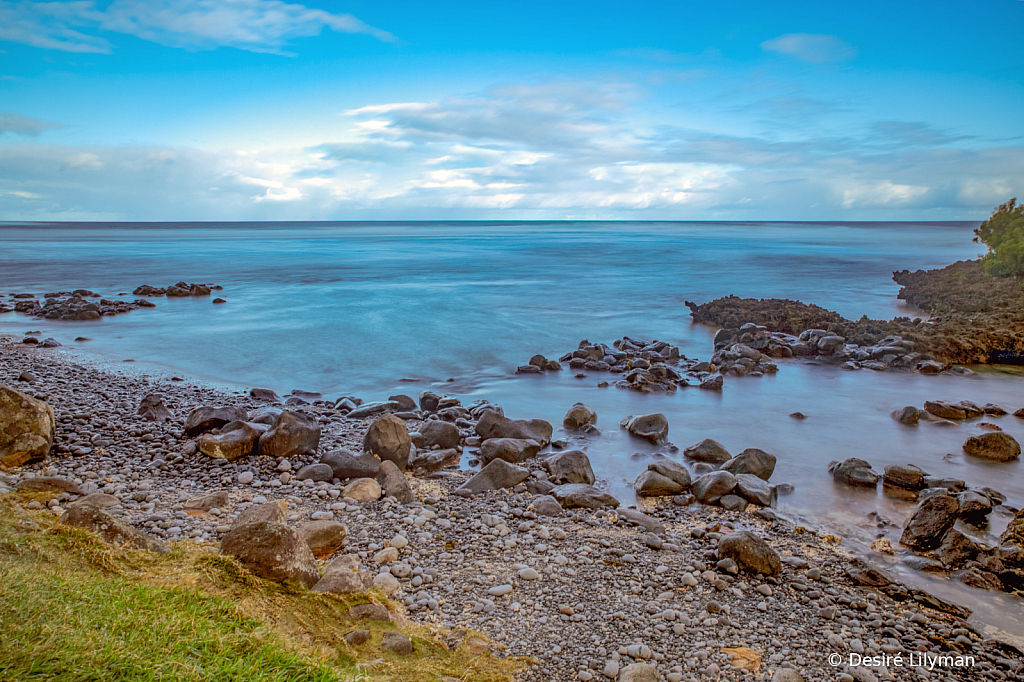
(152, 408)
(578, 416)
(652, 484)
(672, 470)
(956, 549)
(582, 495)
(293, 433)
(751, 461)
(855, 472)
(204, 419)
(442, 434)
(272, 551)
(997, 446)
(84, 514)
(323, 538)
(394, 483)
(346, 464)
(750, 552)
(904, 476)
(945, 410)
(513, 450)
(928, 524)
(496, 475)
(27, 428)
(754, 489)
(236, 440)
(650, 427)
(570, 466)
(494, 425)
(711, 487)
(388, 438)
(708, 450)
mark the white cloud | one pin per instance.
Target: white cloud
(254, 25)
(815, 48)
(11, 122)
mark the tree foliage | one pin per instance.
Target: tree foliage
(1003, 234)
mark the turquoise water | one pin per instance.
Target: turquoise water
(353, 308)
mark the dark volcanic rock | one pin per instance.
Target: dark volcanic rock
(934, 516)
(203, 419)
(708, 450)
(751, 461)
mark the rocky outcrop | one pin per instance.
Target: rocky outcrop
(27, 428)
(388, 438)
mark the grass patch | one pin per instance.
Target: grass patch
(74, 609)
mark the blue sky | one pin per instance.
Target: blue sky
(272, 110)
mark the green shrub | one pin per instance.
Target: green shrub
(1003, 234)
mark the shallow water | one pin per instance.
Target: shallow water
(353, 308)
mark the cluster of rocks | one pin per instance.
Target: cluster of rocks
(648, 366)
(547, 567)
(81, 304)
(181, 289)
(994, 445)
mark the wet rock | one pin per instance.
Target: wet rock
(272, 551)
(512, 450)
(346, 464)
(1014, 533)
(708, 450)
(710, 487)
(754, 489)
(956, 549)
(570, 466)
(578, 416)
(429, 401)
(264, 394)
(994, 410)
(405, 403)
(27, 428)
(362, 490)
(494, 425)
(652, 484)
(496, 475)
(573, 495)
(751, 461)
(323, 538)
(293, 433)
(908, 415)
(394, 483)
(904, 476)
(112, 530)
(650, 427)
(931, 519)
(714, 382)
(204, 419)
(152, 408)
(945, 410)
(434, 460)
(750, 552)
(996, 446)
(974, 507)
(671, 470)
(855, 472)
(972, 410)
(440, 433)
(236, 440)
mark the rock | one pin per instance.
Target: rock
(204, 419)
(855, 472)
(369, 409)
(429, 401)
(359, 637)
(440, 433)
(708, 450)
(216, 500)
(47, 484)
(405, 403)
(974, 507)
(264, 394)
(434, 460)
(754, 489)
(571, 495)
(996, 446)
(496, 475)
(714, 382)
(671, 470)
(650, 427)
(236, 440)
(315, 472)
(578, 416)
(930, 521)
(751, 461)
(388, 438)
(569, 466)
(652, 484)
(394, 483)
(945, 410)
(323, 538)
(732, 503)
(267, 415)
(972, 410)
(908, 415)
(368, 612)
(993, 409)
(710, 487)
(362, 490)
(494, 425)
(293, 433)
(787, 675)
(397, 643)
(956, 549)
(545, 505)
(638, 672)
(152, 408)
(797, 415)
(268, 512)
(904, 476)
(27, 428)
(1014, 533)
(272, 551)
(750, 552)
(512, 450)
(345, 464)
(112, 530)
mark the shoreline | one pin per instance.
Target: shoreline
(675, 630)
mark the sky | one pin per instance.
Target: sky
(169, 110)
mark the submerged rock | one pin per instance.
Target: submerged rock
(855, 472)
(650, 427)
(708, 450)
(996, 446)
